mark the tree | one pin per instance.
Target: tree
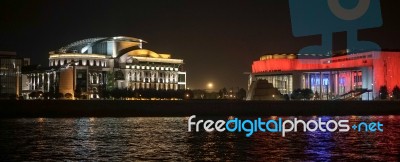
(396, 92)
(224, 92)
(191, 94)
(286, 97)
(40, 94)
(46, 95)
(59, 95)
(241, 94)
(383, 92)
(296, 94)
(68, 96)
(116, 93)
(33, 94)
(104, 94)
(13, 96)
(316, 95)
(110, 81)
(220, 94)
(307, 93)
(300, 94)
(78, 93)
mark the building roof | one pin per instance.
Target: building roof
(83, 45)
(36, 69)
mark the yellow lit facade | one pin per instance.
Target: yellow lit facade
(103, 63)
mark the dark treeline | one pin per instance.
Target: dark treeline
(118, 94)
(301, 94)
(146, 93)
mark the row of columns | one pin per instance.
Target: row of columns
(36, 81)
(95, 78)
(337, 83)
(156, 86)
(147, 76)
(82, 62)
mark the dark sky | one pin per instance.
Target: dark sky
(218, 40)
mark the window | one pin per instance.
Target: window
(181, 78)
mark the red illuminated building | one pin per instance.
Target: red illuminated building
(330, 77)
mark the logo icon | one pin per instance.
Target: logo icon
(325, 17)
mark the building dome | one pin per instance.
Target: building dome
(147, 53)
(112, 46)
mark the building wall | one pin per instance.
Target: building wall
(341, 62)
(368, 70)
(96, 64)
(10, 73)
(151, 77)
(66, 81)
(386, 70)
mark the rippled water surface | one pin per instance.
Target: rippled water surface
(115, 139)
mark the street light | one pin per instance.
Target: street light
(372, 93)
(327, 88)
(210, 85)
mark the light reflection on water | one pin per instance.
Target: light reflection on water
(166, 138)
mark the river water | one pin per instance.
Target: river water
(167, 138)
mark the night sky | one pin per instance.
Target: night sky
(218, 40)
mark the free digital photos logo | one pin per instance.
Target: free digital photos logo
(280, 126)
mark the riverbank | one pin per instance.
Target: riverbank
(122, 108)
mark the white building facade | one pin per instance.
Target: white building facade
(95, 64)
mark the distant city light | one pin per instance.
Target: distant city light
(210, 85)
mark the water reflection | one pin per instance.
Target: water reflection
(320, 144)
(104, 139)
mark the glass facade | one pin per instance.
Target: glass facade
(326, 85)
(284, 83)
(10, 80)
(317, 82)
(333, 84)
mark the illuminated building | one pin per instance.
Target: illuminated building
(357, 75)
(10, 69)
(95, 64)
(36, 78)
